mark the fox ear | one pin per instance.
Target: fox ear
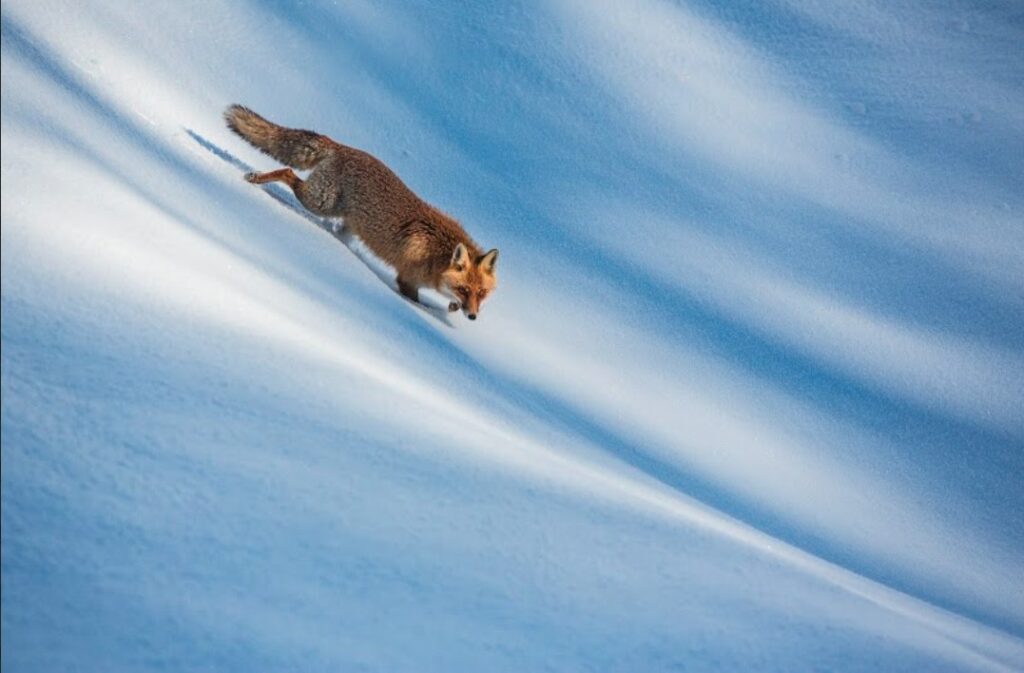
(460, 257)
(488, 260)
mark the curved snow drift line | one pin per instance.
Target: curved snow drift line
(976, 382)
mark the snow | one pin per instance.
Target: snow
(750, 395)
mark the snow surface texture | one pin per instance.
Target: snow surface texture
(750, 395)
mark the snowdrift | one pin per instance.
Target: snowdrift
(750, 395)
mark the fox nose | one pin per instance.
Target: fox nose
(471, 316)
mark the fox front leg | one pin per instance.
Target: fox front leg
(409, 291)
(412, 292)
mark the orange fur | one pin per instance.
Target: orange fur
(426, 247)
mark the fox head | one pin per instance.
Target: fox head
(469, 281)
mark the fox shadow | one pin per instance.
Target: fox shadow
(335, 228)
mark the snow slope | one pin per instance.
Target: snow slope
(750, 395)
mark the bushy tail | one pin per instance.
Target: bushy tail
(292, 147)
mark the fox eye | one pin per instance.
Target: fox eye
(482, 293)
(463, 291)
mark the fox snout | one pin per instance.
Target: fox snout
(469, 300)
(471, 310)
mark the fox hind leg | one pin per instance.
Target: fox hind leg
(317, 193)
(285, 175)
(312, 199)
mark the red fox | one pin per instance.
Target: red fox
(426, 247)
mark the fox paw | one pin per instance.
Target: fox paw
(250, 177)
(453, 306)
